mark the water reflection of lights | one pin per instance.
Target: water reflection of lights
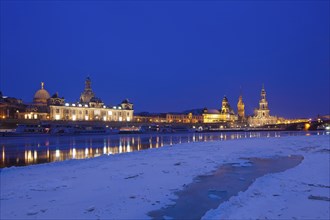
(3, 154)
(139, 143)
(162, 142)
(128, 146)
(119, 144)
(96, 152)
(73, 153)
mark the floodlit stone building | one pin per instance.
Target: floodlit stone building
(90, 108)
(38, 109)
(183, 118)
(262, 114)
(225, 114)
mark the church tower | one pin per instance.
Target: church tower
(241, 108)
(263, 111)
(88, 93)
(225, 107)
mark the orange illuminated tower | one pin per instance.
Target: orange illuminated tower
(240, 108)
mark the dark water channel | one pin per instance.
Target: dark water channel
(209, 191)
(23, 151)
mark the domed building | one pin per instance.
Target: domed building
(39, 109)
(41, 96)
(91, 108)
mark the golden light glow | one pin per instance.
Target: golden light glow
(307, 126)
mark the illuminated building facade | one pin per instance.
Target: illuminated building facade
(211, 116)
(225, 114)
(184, 118)
(261, 115)
(89, 108)
(90, 112)
(38, 109)
(146, 117)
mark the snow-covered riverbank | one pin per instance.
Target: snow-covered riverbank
(131, 185)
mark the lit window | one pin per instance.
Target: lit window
(120, 118)
(128, 118)
(74, 117)
(86, 118)
(57, 117)
(109, 112)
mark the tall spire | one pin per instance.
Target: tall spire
(42, 85)
(88, 83)
(263, 92)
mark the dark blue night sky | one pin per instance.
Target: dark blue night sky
(170, 56)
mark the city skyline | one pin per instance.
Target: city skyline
(169, 56)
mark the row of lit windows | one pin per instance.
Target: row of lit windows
(86, 118)
(86, 106)
(66, 111)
